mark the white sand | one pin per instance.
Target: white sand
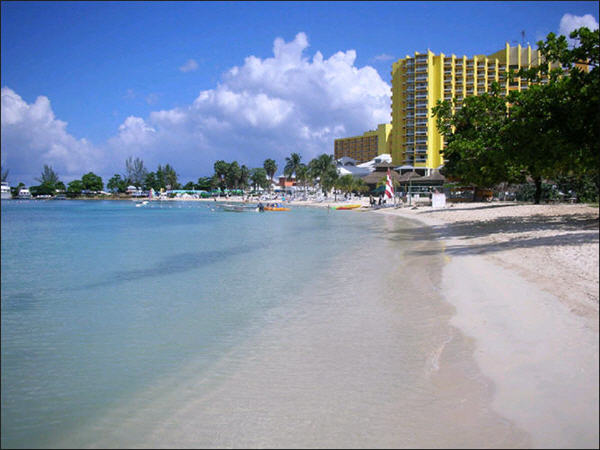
(524, 281)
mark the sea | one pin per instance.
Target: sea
(180, 324)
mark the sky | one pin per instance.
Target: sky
(85, 85)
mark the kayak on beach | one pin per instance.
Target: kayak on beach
(342, 207)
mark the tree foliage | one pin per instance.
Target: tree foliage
(74, 188)
(117, 184)
(544, 132)
(135, 171)
(270, 167)
(292, 163)
(323, 167)
(92, 182)
(258, 177)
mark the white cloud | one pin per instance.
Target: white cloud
(569, 22)
(32, 137)
(265, 108)
(189, 66)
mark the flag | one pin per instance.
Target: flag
(389, 187)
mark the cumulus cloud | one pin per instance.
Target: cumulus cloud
(263, 108)
(269, 107)
(32, 136)
(570, 22)
(189, 66)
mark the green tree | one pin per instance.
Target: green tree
(74, 188)
(302, 175)
(189, 186)
(233, 174)
(150, 182)
(270, 167)
(244, 176)
(258, 177)
(92, 182)
(475, 136)
(323, 167)
(292, 163)
(560, 121)
(170, 177)
(221, 168)
(117, 184)
(204, 183)
(48, 176)
(135, 171)
(345, 183)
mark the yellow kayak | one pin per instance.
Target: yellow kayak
(276, 208)
(347, 207)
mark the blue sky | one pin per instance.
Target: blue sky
(87, 84)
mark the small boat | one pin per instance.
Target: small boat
(276, 207)
(239, 208)
(343, 207)
(145, 202)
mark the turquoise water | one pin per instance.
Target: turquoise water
(101, 298)
(179, 325)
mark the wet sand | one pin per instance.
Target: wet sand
(524, 281)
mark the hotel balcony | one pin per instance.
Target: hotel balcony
(421, 69)
(409, 117)
(421, 149)
(470, 91)
(421, 132)
(422, 142)
(422, 78)
(419, 96)
(421, 114)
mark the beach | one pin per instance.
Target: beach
(370, 328)
(524, 282)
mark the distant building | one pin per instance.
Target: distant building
(365, 147)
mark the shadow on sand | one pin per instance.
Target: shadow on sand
(578, 227)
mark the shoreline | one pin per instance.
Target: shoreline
(524, 282)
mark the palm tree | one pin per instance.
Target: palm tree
(292, 163)
(302, 175)
(323, 167)
(345, 183)
(270, 167)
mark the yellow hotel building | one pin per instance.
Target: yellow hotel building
(365, 147)
(419, 82)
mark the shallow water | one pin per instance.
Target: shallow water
(175, 325)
